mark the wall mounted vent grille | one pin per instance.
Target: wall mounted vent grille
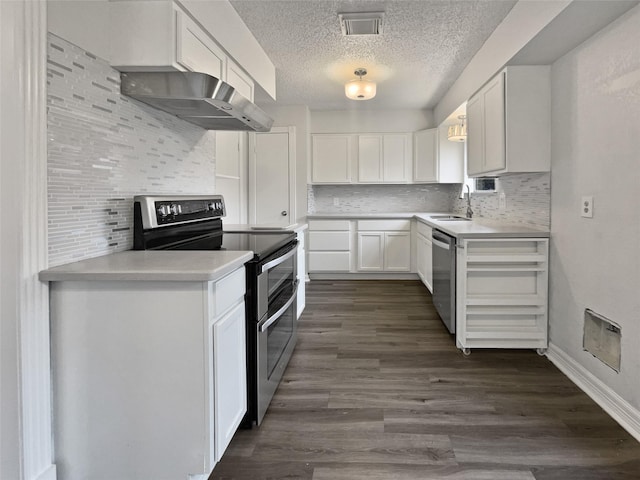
(363, 23)
(602, 339)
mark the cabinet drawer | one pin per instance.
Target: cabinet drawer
(384, 225)
(329, 225)
(226, 292)
(329, 261)
(424, 229)
(331, 241)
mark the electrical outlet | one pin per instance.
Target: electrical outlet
(586, 207)
(502, 202)
(336, 201)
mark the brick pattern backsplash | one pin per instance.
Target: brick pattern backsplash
(104, 148)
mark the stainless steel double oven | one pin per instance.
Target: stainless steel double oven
(194, 223)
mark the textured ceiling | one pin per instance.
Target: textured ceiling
(424, 48)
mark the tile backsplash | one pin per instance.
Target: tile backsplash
(527, 197)
(381, 198)
(103, 149)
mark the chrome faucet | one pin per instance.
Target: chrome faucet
(469, 211)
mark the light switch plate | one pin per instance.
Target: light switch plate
(586, 207)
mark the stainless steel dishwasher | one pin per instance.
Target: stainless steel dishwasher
(444, 278)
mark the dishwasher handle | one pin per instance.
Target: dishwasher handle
(442, 240)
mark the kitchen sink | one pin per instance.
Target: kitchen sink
(450, 218)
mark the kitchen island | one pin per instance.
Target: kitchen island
(149, 362)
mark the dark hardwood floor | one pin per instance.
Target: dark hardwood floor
(377, 390)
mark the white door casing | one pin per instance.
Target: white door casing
(25, 397)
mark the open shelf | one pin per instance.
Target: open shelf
(502, 285)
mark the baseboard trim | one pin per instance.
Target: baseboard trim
(49, 473)
(364, 276)
(617, 407)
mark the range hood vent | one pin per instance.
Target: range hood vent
(197, 98)
(361, 23)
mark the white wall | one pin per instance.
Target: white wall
(84, 23)
(363, 121)
(595, 262)
(296, 116)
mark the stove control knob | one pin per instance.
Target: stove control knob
(173, 209)
(163, 210)
(211, 206)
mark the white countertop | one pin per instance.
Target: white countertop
(475, 228)
(257, 228)
(151, 265)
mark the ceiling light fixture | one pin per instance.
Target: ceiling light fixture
(360, 89)
(458, 133)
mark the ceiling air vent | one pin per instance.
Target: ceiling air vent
(362, 23)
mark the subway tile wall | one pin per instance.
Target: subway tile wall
(103, 149)
(381, 198)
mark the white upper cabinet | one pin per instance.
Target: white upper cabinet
(425, 167)
(331, 158)
(384, 158)
(508, 123)
(370, 158)
(195, 50)
(161, 36)
(396, 156)
(367, 158)
(436, 159)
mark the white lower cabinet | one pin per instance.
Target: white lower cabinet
(384, 245)
(371, 246)
(424, 262)
(502, 293)
(149, 377)
(230, 385)
(329, 246)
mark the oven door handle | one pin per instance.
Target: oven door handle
(269, 321)
(278, 261)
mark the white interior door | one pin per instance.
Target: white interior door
(272, 167)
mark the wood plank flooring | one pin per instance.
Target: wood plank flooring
(377, 390)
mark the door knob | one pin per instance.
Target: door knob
(283, 213)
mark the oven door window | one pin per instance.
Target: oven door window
(280, 275)
(280, 331)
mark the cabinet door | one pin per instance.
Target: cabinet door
(370, 155)
(229, 363)
(371, 251)
(397, 252)
(425, 164)
(428, 264)
(420, 261)
(475, 135)
(331, 158)
(195, 51)
(239, 80)
(395, 154)
(494, 125)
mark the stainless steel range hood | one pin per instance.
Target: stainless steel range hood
(197, 98)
